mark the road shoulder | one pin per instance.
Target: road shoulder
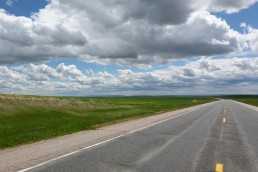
(247, 105)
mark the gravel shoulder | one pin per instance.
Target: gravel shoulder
(21, 157)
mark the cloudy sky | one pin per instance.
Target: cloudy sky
(136, 47)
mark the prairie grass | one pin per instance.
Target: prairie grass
(248, 99)
(26, 119)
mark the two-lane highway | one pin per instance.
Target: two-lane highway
(222, 136)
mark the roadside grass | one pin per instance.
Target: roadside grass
(248, 99)
(26, 119)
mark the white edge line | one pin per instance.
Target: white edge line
(246, 105)
(74, 152)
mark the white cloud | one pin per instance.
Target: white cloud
(24, 40)
(123, 32)
(252, 39)
(204, 76)
(69, 71)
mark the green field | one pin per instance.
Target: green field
(248, 99)
(26, 119)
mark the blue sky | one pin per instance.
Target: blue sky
(128, 48)
(27, 7)
(245, 16)
(23, 7)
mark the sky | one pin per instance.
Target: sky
(136, 47)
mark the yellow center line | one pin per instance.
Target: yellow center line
(219, 167)
(224, 120)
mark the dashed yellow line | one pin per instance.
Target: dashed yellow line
(225, 109)
(219, 167)
(224, 120)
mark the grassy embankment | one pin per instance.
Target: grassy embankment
(26, 119)
(248, 99)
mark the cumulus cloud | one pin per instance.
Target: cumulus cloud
(136, 32)
(24, 40)
(208, 36)
(158, 12)
(154, 43)
(203, 76)
(251, 37)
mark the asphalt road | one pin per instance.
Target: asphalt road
(220, 135)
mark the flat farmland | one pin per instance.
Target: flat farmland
(248, 99)
(27, 119)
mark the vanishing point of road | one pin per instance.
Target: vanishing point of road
(222, 136)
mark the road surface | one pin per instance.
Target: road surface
(222, 136)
